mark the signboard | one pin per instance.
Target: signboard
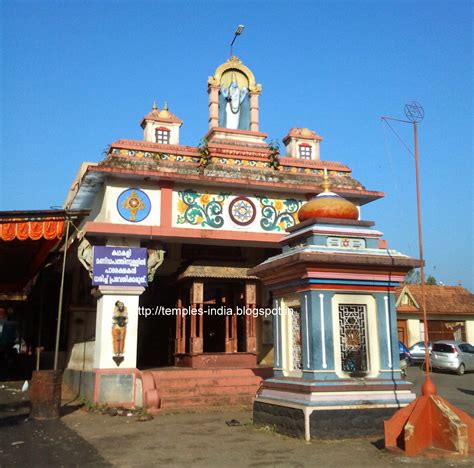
(119, 266)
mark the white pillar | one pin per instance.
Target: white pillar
(413, 331)
(470, 331)
(106, 300)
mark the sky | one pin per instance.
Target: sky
(78, 75)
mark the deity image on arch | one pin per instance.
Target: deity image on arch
(234, 106)
(119, 331)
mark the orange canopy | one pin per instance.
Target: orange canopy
(31, 230)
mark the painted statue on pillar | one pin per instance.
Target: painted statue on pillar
(119, 331)
(234, 106)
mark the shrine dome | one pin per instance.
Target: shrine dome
(328, 205)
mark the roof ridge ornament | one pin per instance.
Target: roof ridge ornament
(326, 184)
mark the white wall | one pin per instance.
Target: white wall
(470, 331)
(103, 352)
(414, 331)
(107, 211)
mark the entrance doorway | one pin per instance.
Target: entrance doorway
(220, 333)
(156, 330)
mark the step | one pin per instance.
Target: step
(224, 381)
(197, 373)
(221, 400)
(208, 391)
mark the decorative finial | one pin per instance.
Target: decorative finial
(154, 108)
(165, 107)
(325, 185)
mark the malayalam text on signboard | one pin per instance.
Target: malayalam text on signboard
(119, 266)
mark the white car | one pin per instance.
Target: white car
(456, 356)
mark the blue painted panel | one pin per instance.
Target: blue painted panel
(323, 361)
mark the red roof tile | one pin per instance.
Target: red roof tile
(304, 133)
(163, 115)
(440, 299)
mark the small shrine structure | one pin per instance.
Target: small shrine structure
(336, 367)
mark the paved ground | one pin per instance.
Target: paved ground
(192, 439)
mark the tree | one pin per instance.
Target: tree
(414, 277)
(431, 280)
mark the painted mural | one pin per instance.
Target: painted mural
(214, 210)
(279, 215)
(201, 209)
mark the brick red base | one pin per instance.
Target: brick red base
(45, 394)
(216, 360)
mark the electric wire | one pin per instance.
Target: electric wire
(397, 187)
(398, 136)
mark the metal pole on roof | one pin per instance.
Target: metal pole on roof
(61, 293)
(415, 113)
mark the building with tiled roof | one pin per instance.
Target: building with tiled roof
(205, 214)
(450, 313)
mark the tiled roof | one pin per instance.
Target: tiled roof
(304, 133)
(440, 299)
(163, 115)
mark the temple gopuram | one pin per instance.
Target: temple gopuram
(174, 229)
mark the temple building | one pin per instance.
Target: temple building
(175, 228)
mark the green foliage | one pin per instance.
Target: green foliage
(274, 147)
(431, 280)
(204, 153)
(414, 277)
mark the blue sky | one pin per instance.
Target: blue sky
(77, 75)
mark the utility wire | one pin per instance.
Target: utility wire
(397, 186)
(399, 137)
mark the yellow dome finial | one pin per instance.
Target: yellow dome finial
(326, 184)
(165, 107)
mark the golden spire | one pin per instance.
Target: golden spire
(154, 108)
(326, 184)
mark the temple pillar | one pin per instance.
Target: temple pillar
(180, 329)
(196, 299)
(112, 348)
(250, 325)
(213, 92)
(254, 111)
(387, 335)
(230, 330)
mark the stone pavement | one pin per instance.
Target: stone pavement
(197, 439)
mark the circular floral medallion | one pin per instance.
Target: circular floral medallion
(133, 205)
(242, 211)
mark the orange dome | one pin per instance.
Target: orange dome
(328, 205)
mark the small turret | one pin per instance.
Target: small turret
(302, 143)
(161, 126)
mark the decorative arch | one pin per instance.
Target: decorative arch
(234, 65)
